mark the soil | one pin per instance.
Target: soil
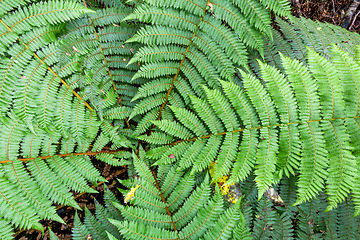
(331, 11)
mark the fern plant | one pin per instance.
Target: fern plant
(293, 35)
(182, 207)
(59, 98)
(191, 44)
(83, 79)
(262, 219)
(302, 172)
(298, 124)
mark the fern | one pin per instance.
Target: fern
(99, 79)
(168, 204)
(269, 221)
(299, 119)
(193, 49)
(294, 35)
(48, 128)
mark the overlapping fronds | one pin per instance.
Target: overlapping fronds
(189, 44)
(264, 219)
(93, 50)
(296, 33)
(97, 226)
(306, 221)
(170, 204)
(48, 126)
(299, 121)
(88, 78)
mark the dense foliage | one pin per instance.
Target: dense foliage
(195, 99)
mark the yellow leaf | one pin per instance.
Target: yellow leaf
(130, 195)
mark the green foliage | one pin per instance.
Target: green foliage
(201, 42)
(299, 113)
(51, 71)
(263, 219)
(194, 83)
(168, 204)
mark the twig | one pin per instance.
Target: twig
(349, 14)
(298, 7)
(333, 2)
(354, 20)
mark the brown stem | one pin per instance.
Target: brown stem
(178, 70)
(65, 155)
(164, 200)
(243, 129)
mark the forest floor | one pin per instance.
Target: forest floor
(332, 11)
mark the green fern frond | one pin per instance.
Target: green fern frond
(310, 133)
(30, 191)
(345, 214)
(224, 226)
(242, 232)
(280, 7)
(98, 79)
(257, 15)
(6, 230)
(192, 46)
(48, 127)
(40, 14)
(79, 231)
(285, 101)
(16, 209)
(95, 44)
(313, 138)
(169, 204)
(264, 220)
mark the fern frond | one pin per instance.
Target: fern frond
(281, 93)
(229, 13)
(308, 219)
(257, 15)
(47, 124)
(224, 226)
(79, 230)
(283, 227)
(264, 221)
(305, 89)
(6, 230)
(94, 226)
(280, 7)
(103, 215)
(171, 204)
(50, 184)
(82, 80)
(345, 215)
(194, 46)
(339, 182)
(30, 191)
(268, 146)
(16, 209)
(96, 43)
(40, 14)
(312, 136)
(242, 232)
